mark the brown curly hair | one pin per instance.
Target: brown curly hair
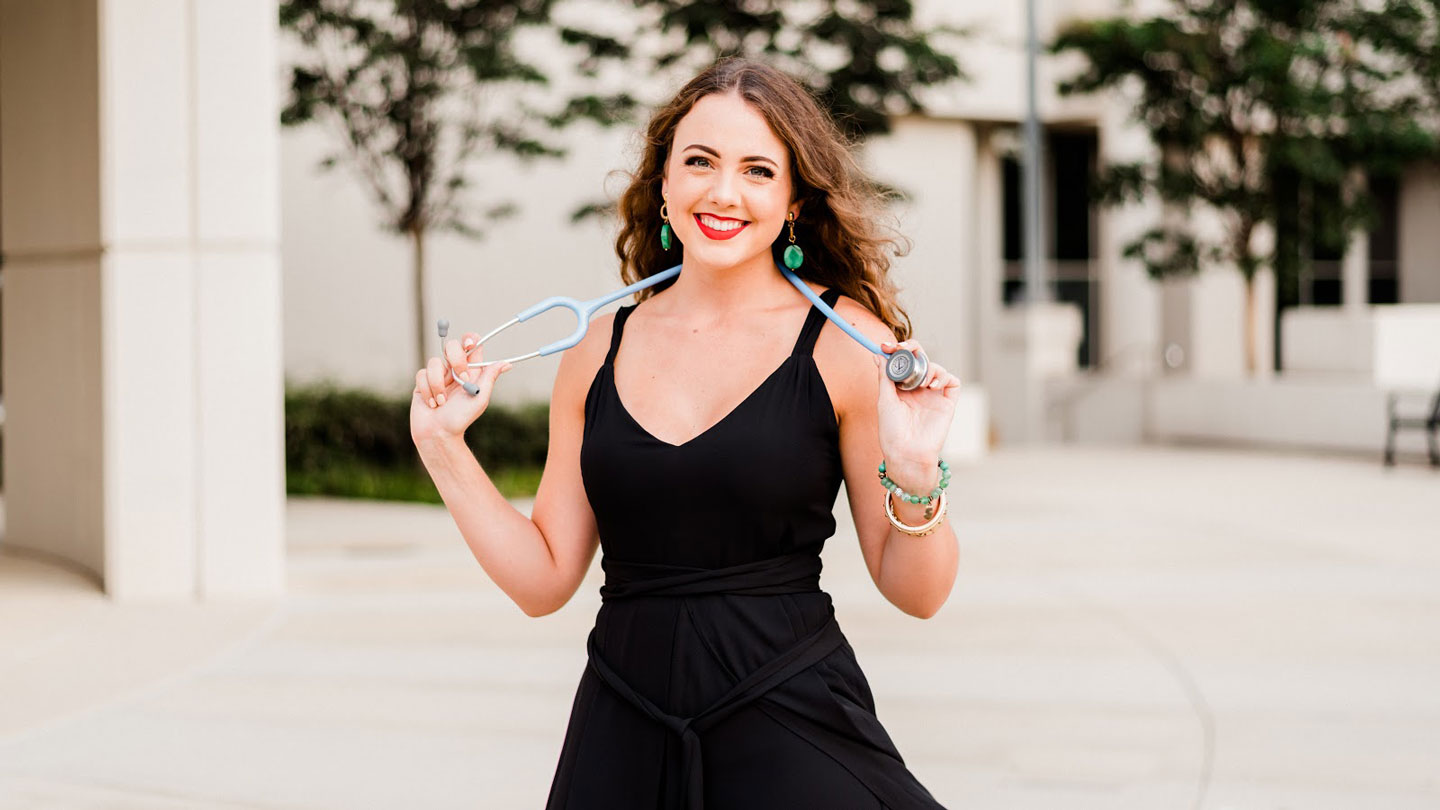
(845, 245)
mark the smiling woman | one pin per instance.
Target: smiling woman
(714, 628)
(700, 442)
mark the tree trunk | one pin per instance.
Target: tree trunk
(417, 245)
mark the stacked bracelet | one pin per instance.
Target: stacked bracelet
(936, 494)
(923, 529)
(925, 499)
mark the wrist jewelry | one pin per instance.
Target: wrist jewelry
(923, 529)
(925, 499)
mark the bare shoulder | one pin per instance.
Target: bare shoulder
(849, 364)
(579, 363)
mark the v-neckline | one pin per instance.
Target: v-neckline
(615, 389)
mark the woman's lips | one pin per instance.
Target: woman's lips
(720, 235)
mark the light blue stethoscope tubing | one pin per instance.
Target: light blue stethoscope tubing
(905, 368)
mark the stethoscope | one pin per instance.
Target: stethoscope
(904, 367)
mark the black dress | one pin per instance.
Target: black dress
(713, 628)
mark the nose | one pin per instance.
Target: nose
(722, 190)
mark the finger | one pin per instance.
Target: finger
(469, 341)
(436, 373)
(945, 380)
(485, 380)
(422, 387)
(934, 375)
(458, 362)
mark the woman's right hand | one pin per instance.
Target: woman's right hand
(440, 407)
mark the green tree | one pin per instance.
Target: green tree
(864, 58)
(1247, 104)
(422, 89)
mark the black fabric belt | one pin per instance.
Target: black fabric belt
(792, 573)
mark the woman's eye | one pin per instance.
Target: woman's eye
(696, 160)
(764, 172)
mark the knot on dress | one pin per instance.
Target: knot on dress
(791, 573)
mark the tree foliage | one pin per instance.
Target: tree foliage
(1233, 91)
(1247, 104)
(865, 59)
(422, 89)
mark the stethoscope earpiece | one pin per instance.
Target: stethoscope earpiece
(906, 369)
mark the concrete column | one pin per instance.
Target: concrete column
(1419, 236)
(1038, 344)
(1130, 301)
(1355, 273)
(1355, 264)
(144, 387)
(988, 252)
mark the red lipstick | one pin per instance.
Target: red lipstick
(720, 235)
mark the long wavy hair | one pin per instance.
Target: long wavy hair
(841, 223)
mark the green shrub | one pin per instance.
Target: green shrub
(354, 443)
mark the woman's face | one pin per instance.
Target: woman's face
(727, 183)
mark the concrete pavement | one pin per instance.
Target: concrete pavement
(1131, 628)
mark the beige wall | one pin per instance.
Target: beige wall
(1420, 235)
(144, 425)
(50, 184)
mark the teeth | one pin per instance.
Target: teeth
(720, 224)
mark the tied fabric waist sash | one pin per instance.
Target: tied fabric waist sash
(792, 573)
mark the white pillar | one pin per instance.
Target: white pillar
(1355, 264)
(144, 386)
(988, 252)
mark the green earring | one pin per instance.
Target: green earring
(664, 228)
(793, 256)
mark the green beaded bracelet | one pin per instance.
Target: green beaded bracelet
(921, 499)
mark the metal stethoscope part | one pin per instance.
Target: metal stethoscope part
(903, 367)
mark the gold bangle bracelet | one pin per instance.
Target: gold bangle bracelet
(921, 530)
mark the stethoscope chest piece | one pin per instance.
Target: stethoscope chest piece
(906, 369)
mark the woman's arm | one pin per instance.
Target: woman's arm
(539, 561)
(916, 574)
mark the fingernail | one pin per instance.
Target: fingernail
(440, 399)
(432, 402)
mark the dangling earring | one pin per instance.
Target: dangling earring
(664, 226)
(793, 256)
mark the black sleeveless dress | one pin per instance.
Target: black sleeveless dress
(713, 628)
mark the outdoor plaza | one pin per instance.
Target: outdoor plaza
(1142, 627)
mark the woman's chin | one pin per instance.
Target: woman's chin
(719, 255)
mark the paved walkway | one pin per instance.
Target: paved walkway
(1144, 628)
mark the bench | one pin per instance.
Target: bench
(1429, 423)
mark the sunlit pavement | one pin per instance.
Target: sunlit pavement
(1132, 628)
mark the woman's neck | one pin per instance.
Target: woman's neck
(715, 294)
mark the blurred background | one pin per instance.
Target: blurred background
(1185, 257)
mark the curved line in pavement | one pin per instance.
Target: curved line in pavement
(1172, 663)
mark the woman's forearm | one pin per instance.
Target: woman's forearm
(508, 545)
(918, 573)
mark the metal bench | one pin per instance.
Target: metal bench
(1429, 423)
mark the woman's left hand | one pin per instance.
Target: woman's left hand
(913, 424)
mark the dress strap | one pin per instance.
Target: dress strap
(617, 328)
(814, 322)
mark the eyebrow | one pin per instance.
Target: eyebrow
(702, 147)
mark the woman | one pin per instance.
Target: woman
(717, 674)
